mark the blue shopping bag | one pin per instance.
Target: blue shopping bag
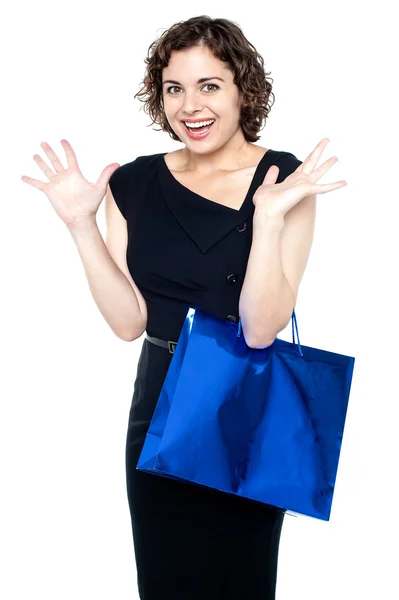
(262, 423)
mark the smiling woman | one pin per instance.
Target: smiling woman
(190, 223)
(181, 234)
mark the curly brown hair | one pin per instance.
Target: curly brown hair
(227, 42)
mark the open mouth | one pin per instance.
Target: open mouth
(200, 129)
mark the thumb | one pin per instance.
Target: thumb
(105, 175)
(271, 175)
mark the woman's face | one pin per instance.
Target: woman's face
(185, 97)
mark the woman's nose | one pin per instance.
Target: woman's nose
(192, 103)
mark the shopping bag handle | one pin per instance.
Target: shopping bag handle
(293, 320)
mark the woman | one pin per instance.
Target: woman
(212, 225)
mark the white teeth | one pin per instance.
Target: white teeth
(199, 124)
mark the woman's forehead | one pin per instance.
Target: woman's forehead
(194, 64)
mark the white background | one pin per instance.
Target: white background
(71, 70)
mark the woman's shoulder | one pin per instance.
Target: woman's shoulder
(127, 172)
(142, 161)
(140, 165)
(131, 175)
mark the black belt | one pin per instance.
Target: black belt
(163, 343)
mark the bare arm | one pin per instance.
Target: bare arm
(114, 291)
(278, 257)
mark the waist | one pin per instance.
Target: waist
(167, 344)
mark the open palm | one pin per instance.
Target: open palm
(71, 195)
(276, 199)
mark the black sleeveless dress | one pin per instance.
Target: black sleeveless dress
(190, 543)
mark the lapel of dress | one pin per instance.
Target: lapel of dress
(207, 222)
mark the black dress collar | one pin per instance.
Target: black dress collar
(205, 221)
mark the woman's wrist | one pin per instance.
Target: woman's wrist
(83, 226)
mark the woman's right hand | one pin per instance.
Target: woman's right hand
(72, 196)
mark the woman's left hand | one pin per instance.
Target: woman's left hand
(276, 199)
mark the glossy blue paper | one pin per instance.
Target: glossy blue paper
(265, 424)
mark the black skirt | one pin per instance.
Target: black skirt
(192, 542)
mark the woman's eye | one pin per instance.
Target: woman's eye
(172, 87)
(212, 85)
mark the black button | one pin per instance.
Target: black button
(231, 318)
(242, 227)
(232, 278)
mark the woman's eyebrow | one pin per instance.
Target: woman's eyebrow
(199, 80)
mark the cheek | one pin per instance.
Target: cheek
(230, 117)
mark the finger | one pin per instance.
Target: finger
(322, 188)
(271, 175)
(55, 161)
(72, 161)
(312, 159)
(43, 166)
(40, 185)
(105, 175)
(322, 170)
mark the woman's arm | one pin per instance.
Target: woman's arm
(110, 288)
(276, 264)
